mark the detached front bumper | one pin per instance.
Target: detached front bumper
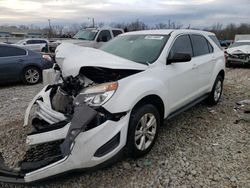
(73, 144)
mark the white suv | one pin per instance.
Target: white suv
(34, 44)
(113, 100)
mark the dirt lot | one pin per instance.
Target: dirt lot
(203, 147)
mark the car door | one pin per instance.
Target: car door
(203, 61)
(11, 60)
(102, 37)
(30, 45)
(182, 77)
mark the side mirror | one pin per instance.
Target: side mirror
(24, 43)
(179, 58)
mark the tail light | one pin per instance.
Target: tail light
(47, 57)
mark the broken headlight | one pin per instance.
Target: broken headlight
(99, 94)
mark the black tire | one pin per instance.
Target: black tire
(149, 111)
(36, 78)
(215, 95)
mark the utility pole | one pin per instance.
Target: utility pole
(50, 30)
(93, 22)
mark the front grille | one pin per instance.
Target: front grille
(41, 155)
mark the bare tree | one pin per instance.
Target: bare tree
(100, 24)
(57, 30)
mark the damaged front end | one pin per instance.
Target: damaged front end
(239, 58)
(71, 129)
(238, 55)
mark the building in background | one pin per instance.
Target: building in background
(12, 34)
(25, 33)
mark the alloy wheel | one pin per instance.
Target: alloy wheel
(218, 90)
(32, 76)
(145, 131)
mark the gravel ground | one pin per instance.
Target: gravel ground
(203, 147)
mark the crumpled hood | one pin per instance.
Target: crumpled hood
(71, 58)
(239, 50)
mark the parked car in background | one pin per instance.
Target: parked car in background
(34, 44)
(90, 37)
(238, 53)
(114, 99)
(19, 64)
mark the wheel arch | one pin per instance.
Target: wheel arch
(222, 74)
(154, 100)
(31, 65)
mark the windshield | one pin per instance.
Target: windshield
(139, 48)
(236, 44)
(85, 35)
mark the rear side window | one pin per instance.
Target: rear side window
(181, 45)
(214, 38)
(31, 42)
(200, 45)
(116, 32)
(41, 42)
(7, 51)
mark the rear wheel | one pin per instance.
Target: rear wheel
(216, 92)
(143, 130)
(31, 75)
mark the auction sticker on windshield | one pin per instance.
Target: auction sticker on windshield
(152, 37)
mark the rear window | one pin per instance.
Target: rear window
(7, 51)
(214, 38)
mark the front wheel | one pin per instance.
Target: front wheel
(143, 130)
(216, 92)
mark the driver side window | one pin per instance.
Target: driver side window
(104, 36)
(181, 45)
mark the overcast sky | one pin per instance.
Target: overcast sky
(198, 13)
